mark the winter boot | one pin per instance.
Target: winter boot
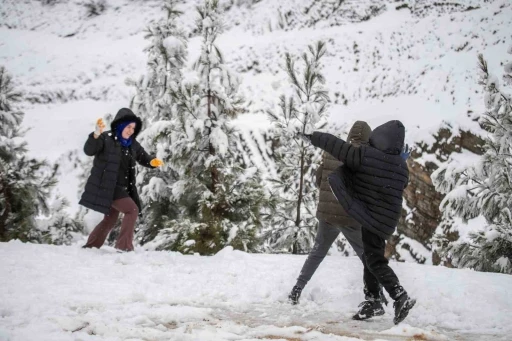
(368, 309)
(295, 295)
(402, 306)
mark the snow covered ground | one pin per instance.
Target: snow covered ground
(58, 293)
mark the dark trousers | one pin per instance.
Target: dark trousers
(376, 268)
(325, 237)
(125, 240)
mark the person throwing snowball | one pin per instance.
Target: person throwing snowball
(369, 186)
(110, 188)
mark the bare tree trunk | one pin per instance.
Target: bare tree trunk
(211, 149)
(301, 187)
(213, 171)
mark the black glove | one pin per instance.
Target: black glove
(304, 137)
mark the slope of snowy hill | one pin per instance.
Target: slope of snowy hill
(409, 60)
(62, 293)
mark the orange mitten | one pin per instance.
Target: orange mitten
(156, 163)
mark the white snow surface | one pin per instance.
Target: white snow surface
(68, 293)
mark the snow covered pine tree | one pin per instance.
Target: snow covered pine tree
(294, 223)
(153, 102)
(219, 197)
(485, 188)
(25, 183)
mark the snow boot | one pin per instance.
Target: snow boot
(295, 295)
(402, 306)
(368, 309)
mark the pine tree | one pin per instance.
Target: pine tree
(294, 224)
(166, 57)
(25, 183)
(154, 103)
(59, 228)
(484, 189)
(219, 196)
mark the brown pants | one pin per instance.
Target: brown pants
(125, 240)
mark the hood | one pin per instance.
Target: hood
(359, 134)
(389, 137)
(124, 115)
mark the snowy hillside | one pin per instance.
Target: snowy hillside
(396, 65)
(66, 293)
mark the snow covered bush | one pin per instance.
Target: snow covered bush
(294, 223)
(25, 183)
(483, 189)
(207, 197)
(59, 228)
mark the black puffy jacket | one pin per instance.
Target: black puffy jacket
(371, 182)
(106, 149)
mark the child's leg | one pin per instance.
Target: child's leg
(371, 283)
(325, 236)
(377, 264)
(101, 231)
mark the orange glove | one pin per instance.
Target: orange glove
(100, 126)
(156, 163)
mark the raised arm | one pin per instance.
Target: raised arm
(343, 151)
(95, 142)
(93, 146)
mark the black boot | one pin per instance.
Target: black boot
(368, 309)
(295, 295)
(402, 306)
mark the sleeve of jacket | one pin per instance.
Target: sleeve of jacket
(142, 157)
(408, 177)
(94, 146)
(343, 151)
(318, 175)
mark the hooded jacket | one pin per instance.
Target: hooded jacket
(370, 184)
(329, 209)
(106, 149)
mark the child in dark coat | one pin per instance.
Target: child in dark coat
(369, 186)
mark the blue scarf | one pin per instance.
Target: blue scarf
(119, 133)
